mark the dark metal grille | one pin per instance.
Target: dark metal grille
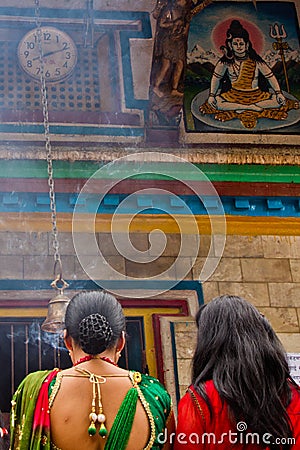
(24, 348)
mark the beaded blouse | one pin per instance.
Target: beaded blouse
(153, 397)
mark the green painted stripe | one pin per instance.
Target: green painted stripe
(215, 172)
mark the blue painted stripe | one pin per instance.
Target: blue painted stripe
(72, 129)
(151, 204)
(114, 285)
(131, 101)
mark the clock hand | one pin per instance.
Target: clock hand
(51, 53)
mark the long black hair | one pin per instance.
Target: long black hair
(238, 349)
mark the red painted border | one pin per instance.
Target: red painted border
(182, 305)
(230, 188)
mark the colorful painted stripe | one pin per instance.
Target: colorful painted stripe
(235, 225)
(129, 186)
(246, 173)
(25, 202)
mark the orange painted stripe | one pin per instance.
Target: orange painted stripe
(236, 225)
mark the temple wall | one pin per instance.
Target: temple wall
(264, 269)
(107, 109)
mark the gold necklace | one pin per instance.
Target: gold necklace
(95, 416)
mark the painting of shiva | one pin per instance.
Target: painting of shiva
(243, 69)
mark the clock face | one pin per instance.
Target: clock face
(58, 49)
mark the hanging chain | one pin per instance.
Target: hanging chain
(57, 258)
(88, 40)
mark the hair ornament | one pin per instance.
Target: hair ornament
(94, 327)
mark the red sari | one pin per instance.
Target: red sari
(195, 429)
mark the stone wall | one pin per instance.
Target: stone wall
(263, 269)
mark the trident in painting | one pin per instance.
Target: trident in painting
(278, 32)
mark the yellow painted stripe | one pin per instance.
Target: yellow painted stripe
(23, 312)
(236, 225)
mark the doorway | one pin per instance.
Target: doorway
(25, 348)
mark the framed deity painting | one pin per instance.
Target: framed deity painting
(243, 69)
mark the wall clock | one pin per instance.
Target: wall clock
(59, 54)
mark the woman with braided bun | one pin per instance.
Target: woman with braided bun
(94, 405)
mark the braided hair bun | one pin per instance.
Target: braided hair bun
(95, 321)
(95, 334)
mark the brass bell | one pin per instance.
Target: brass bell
(55, 320)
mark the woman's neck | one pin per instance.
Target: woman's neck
(90, 357)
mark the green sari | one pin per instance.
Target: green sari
(30, 414)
